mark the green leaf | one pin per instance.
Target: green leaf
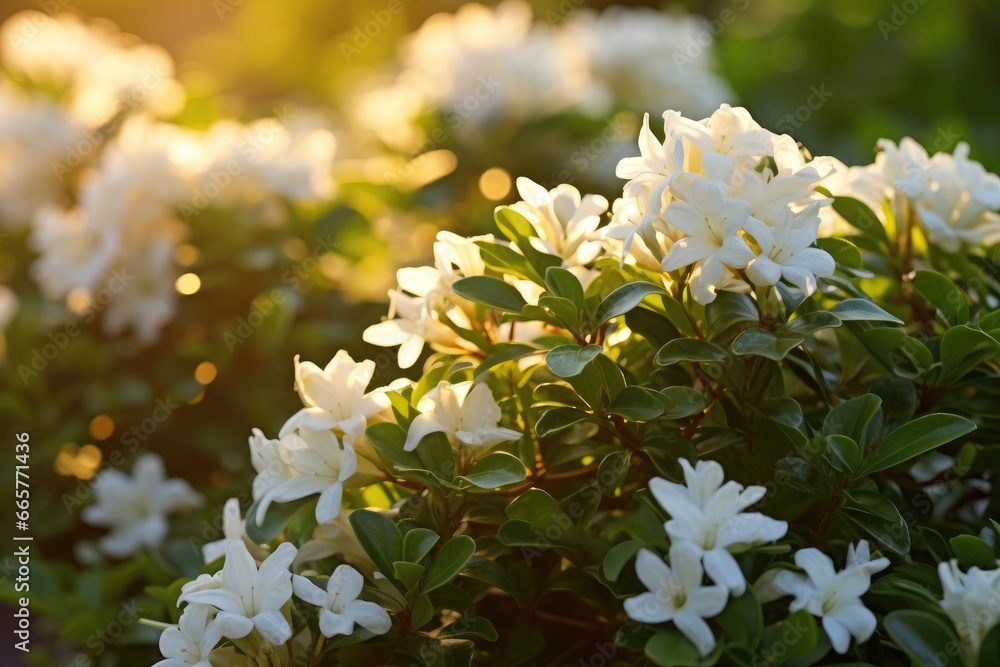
(505, 259)
(914, 438)
(844, 252)
(569, 360)
(407, 573)
(624, 299)
(853, 418)
(669, 648)
(278, 515)
(690, 350)
(972, 551)
(764, 343)
(380, 538)
(683, 402)
(417, 543)
(863, 310)
(562, 282)
(471, 626)
(496, 470)
(925, 638)
(944, 295)
(516, 227)
(813, 322)
(504, 353)
(491, 292)
(962, 349)
(989, 649)
(877, 515)
(790, 640)
(612, 471)
(422, 612)
(861, 217)
(493, 573)
(446, 565)
(844, 452)
(557, 420)
(638, 404)
(743, 620)
(618, 557)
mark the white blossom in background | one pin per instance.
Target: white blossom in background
(35, 135)
(834, 596)
(953, 199)
(135, 507)
(486, 64)
(336, 538)
(676, 594)
(192, 640)
(249, 598)
(97, 69)
(718, 195)
(709, 515)
(648, 60)
(9, 305)
(972, 602)
(232, 531)
(340, 608)
(467, 414)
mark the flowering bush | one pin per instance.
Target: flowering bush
(705, 432)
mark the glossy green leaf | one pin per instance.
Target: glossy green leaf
(690, 350)
(624, 299)
(925, 638)
(491, 292)
(496, 470)
(569, 360)
(914, 438)
(449, 561)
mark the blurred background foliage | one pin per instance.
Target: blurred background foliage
(836, 75)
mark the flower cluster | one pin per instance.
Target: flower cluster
(725, 203)
(483, 64)
(953, 199)
(79, 112)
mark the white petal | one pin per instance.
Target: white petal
(422, 425)
(330, 503)
(234, 626)
(839, 636)
(307, 591)
(723, 569)
(369, 615)
(331, 624)
(697, 630)
(647, 608)
(273, 626)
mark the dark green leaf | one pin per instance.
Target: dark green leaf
(569, 360)
(925, 638)
(496, 470)
(449, 561)
(491, 292)
(690, 350)
(863, 310)
(914, 438)
(624, 299)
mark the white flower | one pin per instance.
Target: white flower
(709, 515)
(190, 641)
(339, 605)
(249, 598)
(232, 530)
(713, 243)
(468, 414)
(676, 594)
(335, 397)
(786, 252)
(135, 507)
(834, 596)
(336, 538)
(972, 602)
(320, 463)
(270, 460)
(636, 57)
(566, 224)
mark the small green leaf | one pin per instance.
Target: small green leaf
(422, 612)
(844, 252)
(854, 418)
(569, 360)
(563, 283)
(624, 299)
(972, 551)
(557, 420)
(612, 471)
(618, 557)
(471, 626)
(669, 648)
(448, 562)
(878, 516)
(962, 349)
(417, 543)
(408, 573)
(638, 404)
(690, 350)
(861, 217)
(944, 295)
(925, 638)
(496, 470)
(844, 452)
(380, 538)
(764, 343)
(914, 438)
(863, 310)
(491, 292)
(683, 402)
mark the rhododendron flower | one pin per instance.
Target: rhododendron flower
(249, 598)
(676, 594)
(135, 506)
(468, 414)
(339, 605)
(709, 515)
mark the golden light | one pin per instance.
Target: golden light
(101, 427)
(185, 254)
(295, 248)
(76, 461)
(196, 399)
(495, 183)
(78, 300)
(205, 372)
(188, 284)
